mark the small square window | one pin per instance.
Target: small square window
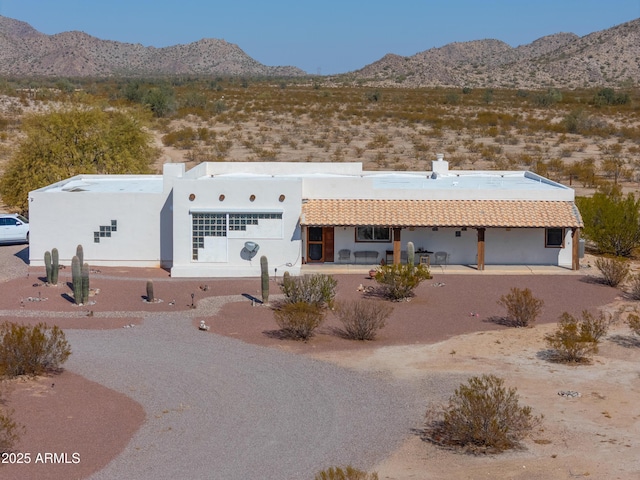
(554, 238)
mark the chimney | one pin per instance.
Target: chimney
(170, 171)
(439, 166)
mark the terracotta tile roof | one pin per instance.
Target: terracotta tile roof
(441, 213)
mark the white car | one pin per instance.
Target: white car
(14, 228)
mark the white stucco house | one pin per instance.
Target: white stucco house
(217, 219)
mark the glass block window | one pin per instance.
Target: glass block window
(239, 221)
(105, 231)
(207, 225)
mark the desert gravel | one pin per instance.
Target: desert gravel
(218, 408)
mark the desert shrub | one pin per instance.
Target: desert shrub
(482, 416)
(522, 307)
(399, 281)
(316, 289)
(634, 287)
(575, 340)
(31, 350)
(362, 319)
(633, 321)
(299, 320)
(614, 270)
(9, 430)
(349, 473)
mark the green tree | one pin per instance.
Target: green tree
(74, 141)
(161, 100)
(612, 222)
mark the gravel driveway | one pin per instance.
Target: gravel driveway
(218, 408)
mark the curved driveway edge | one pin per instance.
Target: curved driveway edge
(218, 408)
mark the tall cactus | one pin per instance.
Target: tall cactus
(150, 297)
(264, 276)
(80, 254)
(411, 254)
(55, 266)
(85, 283)
(47, 266)
(76, 279)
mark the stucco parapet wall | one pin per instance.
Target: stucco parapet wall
(275, 168)
(107, 184)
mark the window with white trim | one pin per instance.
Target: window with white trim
(373, 234)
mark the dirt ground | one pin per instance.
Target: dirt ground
(449, 328)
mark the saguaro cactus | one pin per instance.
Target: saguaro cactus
(264, 276)
(411, 254)
(85, 283)
(55, 266)
(76, 279)
(47, 266)
(80, 254)
(150, 297)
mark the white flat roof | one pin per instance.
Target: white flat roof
(452, 180)
(110, 184)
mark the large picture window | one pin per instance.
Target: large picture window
(373, 234)
(554, 238)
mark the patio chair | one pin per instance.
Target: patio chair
(344, 255)
(440, 258)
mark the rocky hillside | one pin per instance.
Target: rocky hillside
(564, 60)
(25, 51)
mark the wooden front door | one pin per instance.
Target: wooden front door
(320, 244)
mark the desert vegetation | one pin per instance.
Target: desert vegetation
(577, 137)
(576, 339)
(31, 350)
(482, 416)
(522, 307)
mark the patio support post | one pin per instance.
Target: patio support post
(481, 248)
(575, 248)
(397, 246)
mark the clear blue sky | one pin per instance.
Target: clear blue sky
(322, 36)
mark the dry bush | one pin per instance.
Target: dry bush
(399, 281)
(481, 417)
(349, 473)
(299, 320)
(614, 271)
(9, 430)
(633, 321)
(576, 340)
(522, 307)
(317, 289)
(31, 350)
(362, 318)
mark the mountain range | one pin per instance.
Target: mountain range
(564, 60)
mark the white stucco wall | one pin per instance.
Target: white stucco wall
(516, 246)
(281, 246)
(63, 220)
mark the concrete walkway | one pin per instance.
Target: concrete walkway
(337, 269)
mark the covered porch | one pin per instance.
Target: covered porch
(478, 233)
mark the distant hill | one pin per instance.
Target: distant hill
(26, 52)
(564, 60)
